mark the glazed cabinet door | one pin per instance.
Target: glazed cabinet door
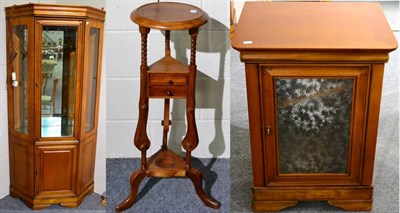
(55, 170)
(20, 92)
(91, 77)
(90, 104)
(314, 118)
(59, 45)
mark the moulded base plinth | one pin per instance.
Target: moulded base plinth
(38, 203)
(349, 198)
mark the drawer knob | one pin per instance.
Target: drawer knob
(169, 93)
(170, 82)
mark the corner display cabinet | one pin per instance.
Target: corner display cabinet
(53, 79)
(314, 74)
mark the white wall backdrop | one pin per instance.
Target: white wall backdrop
(212, 85)
(100, 169)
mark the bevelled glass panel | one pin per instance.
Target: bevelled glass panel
(314, 118)
(91, 80)
(58, 80)
(20, 71)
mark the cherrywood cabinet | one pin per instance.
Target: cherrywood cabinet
(314, 77)
(53, 78)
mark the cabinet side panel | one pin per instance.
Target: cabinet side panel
(255, 123)
(375, 91)
(21, 166)
(87, 155)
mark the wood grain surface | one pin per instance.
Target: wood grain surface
(313, 25)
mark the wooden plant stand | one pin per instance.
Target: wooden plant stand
(167, 78)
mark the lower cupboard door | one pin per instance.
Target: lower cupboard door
(55, 170)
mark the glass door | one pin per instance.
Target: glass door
(20, 78)
(314, 122)
(20, 92)
(59, 64)
(91, 78)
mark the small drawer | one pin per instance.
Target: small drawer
(167, 79)
(167, 91)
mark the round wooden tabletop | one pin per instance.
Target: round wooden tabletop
(169, 16)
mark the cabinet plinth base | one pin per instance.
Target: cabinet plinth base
(349, 198)
(37, 203)
(271, 206)
(352, 205)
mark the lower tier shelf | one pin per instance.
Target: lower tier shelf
(166, 163)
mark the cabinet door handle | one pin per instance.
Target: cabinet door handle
(169, 93)
(14, 81)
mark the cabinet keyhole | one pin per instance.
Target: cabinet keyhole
(268, 130)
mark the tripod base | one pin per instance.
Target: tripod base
(166, 164)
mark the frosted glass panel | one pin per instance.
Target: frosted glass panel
(314, 117)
